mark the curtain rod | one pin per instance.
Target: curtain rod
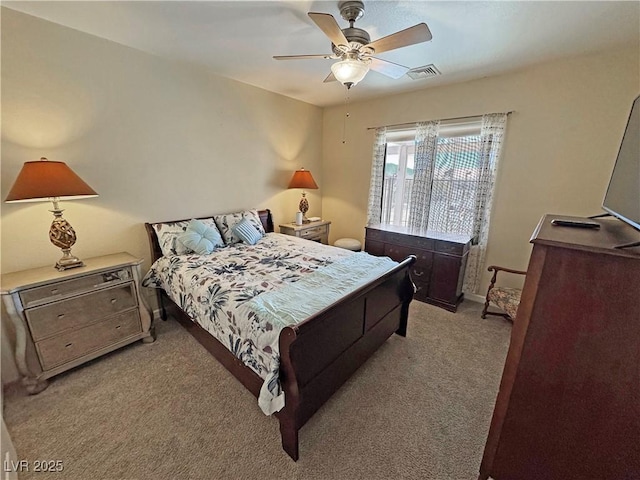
(410, 124)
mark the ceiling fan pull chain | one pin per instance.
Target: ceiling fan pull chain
(346, 115)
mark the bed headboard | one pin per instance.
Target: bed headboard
(154, 245)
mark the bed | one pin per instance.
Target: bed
(313, 354)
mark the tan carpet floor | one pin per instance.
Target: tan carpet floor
(420, 408)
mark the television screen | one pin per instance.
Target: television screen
(622, 199)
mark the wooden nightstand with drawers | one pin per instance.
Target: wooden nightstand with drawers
(64, 319)
(316, 231)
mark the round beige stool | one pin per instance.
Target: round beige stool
(348, 244)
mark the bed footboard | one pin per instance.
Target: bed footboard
(318, 355)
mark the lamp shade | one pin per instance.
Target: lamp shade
(302, 179)
(350, 71)
(43, 180)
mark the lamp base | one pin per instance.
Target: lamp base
(68, 261)
(304, 207)
(63, 236)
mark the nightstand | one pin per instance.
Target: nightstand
(316, 231)
(64, 319)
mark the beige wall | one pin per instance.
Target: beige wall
(560, 147)
(157, 140)
(161, 140)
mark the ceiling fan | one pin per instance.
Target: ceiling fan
(354, 47)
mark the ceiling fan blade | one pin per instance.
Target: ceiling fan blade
(302, 57)
(330, 78)
(417, 34)
(387, 68)
(330, 27)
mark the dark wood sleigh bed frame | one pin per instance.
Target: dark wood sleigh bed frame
(319, 354)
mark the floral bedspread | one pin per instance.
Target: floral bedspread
(212, 290)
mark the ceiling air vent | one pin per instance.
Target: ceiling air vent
(427, 71)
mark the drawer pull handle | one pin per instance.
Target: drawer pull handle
(418, 274)
(68, 345)
(61, 316)
(117, 327)
(114, 300)
(54, 291)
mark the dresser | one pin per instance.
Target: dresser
(316, 231)
(441, 260)
(569, 400)
(63, 319)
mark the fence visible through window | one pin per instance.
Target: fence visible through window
(454, 190)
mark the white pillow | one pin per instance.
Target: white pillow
(168, 234)
(226, 223)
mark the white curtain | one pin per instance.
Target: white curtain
(424, 161)
(492, 136)
(374, 209)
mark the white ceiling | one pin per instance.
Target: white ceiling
(237, 39)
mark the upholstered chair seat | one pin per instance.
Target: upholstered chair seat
(506, 299)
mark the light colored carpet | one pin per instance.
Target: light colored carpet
(419, 408)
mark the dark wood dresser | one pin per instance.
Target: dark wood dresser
(441, 260)
(569, 400)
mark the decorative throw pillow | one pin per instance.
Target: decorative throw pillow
(226, 223)
(200, 238)
(254, 219)
(167, 234)
(245, 230)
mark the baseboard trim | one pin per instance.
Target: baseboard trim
(474, 297)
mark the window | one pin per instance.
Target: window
(439, 176)
(398, 180)
(457, 175)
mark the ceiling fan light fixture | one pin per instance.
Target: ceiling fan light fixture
(350, 71)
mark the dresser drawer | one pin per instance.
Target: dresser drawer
(399, 253)
(68, 346)
(373, 247)
(394, 252)
(409, 241)
(374, 234)
(449, 247)
(69, 287)
(313, 232)
(77, 311)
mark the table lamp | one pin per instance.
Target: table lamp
(44, 180)
(302, 179)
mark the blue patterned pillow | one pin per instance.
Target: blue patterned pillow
(200, 238)
(248, 233)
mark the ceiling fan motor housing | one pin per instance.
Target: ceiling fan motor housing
(351, 10)
(356, 36)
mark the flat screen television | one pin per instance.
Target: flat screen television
(622, 199)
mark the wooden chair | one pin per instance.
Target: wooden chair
(505, 298)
